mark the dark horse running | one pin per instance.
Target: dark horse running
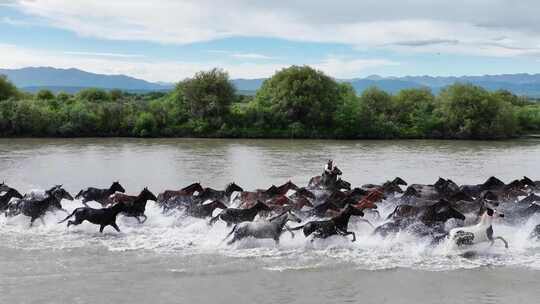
(102, 217)
(235, 216)
(337, 225)
(36, 208)
(222, 195)
(136, 205)
(99, 195)
(4, 199)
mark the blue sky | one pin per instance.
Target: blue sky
(170, 40)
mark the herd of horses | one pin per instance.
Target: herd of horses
(325, 205)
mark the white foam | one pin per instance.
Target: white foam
(181, 235)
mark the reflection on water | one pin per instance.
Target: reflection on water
(170, 163)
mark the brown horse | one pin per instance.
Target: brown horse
(186, 191)
(249, 198)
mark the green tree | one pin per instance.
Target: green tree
(145, 125)
(208, 95)
(414, 113)
(93, 95)
(7, 89)
(376, 111)
(472, 112)
(299, 96)
(44, 94)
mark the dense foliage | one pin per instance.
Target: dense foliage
(297, 102)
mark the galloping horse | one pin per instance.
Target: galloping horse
(205, 210)
(36, 208)
(99, 195)
(102, 217)
(8, 195)
(235, 216)
(136, 205)
(248, 198)
(271, 229)
(222, 195)
(186, 191)
(334, 226)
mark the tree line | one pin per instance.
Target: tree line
(297, 102)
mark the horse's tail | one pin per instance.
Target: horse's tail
(79, 194)
(68, 217)
(230, 233)
(297, 228)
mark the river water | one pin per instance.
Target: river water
(172, 259)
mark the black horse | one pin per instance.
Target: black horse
(221, 195)
(99, 195)
(205, 210)
(235, 216)
(36, 208)
(137, 207)
(4, 187)
(102, 217)
(438, 212)
(4, 199)
(337, 225)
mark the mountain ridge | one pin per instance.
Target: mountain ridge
(71, 80)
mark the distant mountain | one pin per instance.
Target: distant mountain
(35, 78)
(72, 80)
(520, 84)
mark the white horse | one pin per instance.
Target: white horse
(479, 233)
(270, 229)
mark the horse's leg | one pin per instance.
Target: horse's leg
(345, 233)
(499, 238)
(290, 230)
(101, 227)
(32, 221)
(276, 240)
(144, 220)
(113, 224)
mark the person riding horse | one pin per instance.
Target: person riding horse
(327, 177)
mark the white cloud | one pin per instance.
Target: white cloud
(251, 56)
(98, 54)
(12, 56)
(468, 26)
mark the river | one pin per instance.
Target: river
(172, 259)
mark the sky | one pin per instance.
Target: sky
(165, 40)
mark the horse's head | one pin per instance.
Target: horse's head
(289, 185)
(147, 195)
(492, 183)
(59, 193)
(305, 193)
(392, 188)
(528, 182)
(341, 184)
(194, 187)
(336, 171)
(399, 181)
(116, 187)
(448, 212)
(12, 192)
(232, 187)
